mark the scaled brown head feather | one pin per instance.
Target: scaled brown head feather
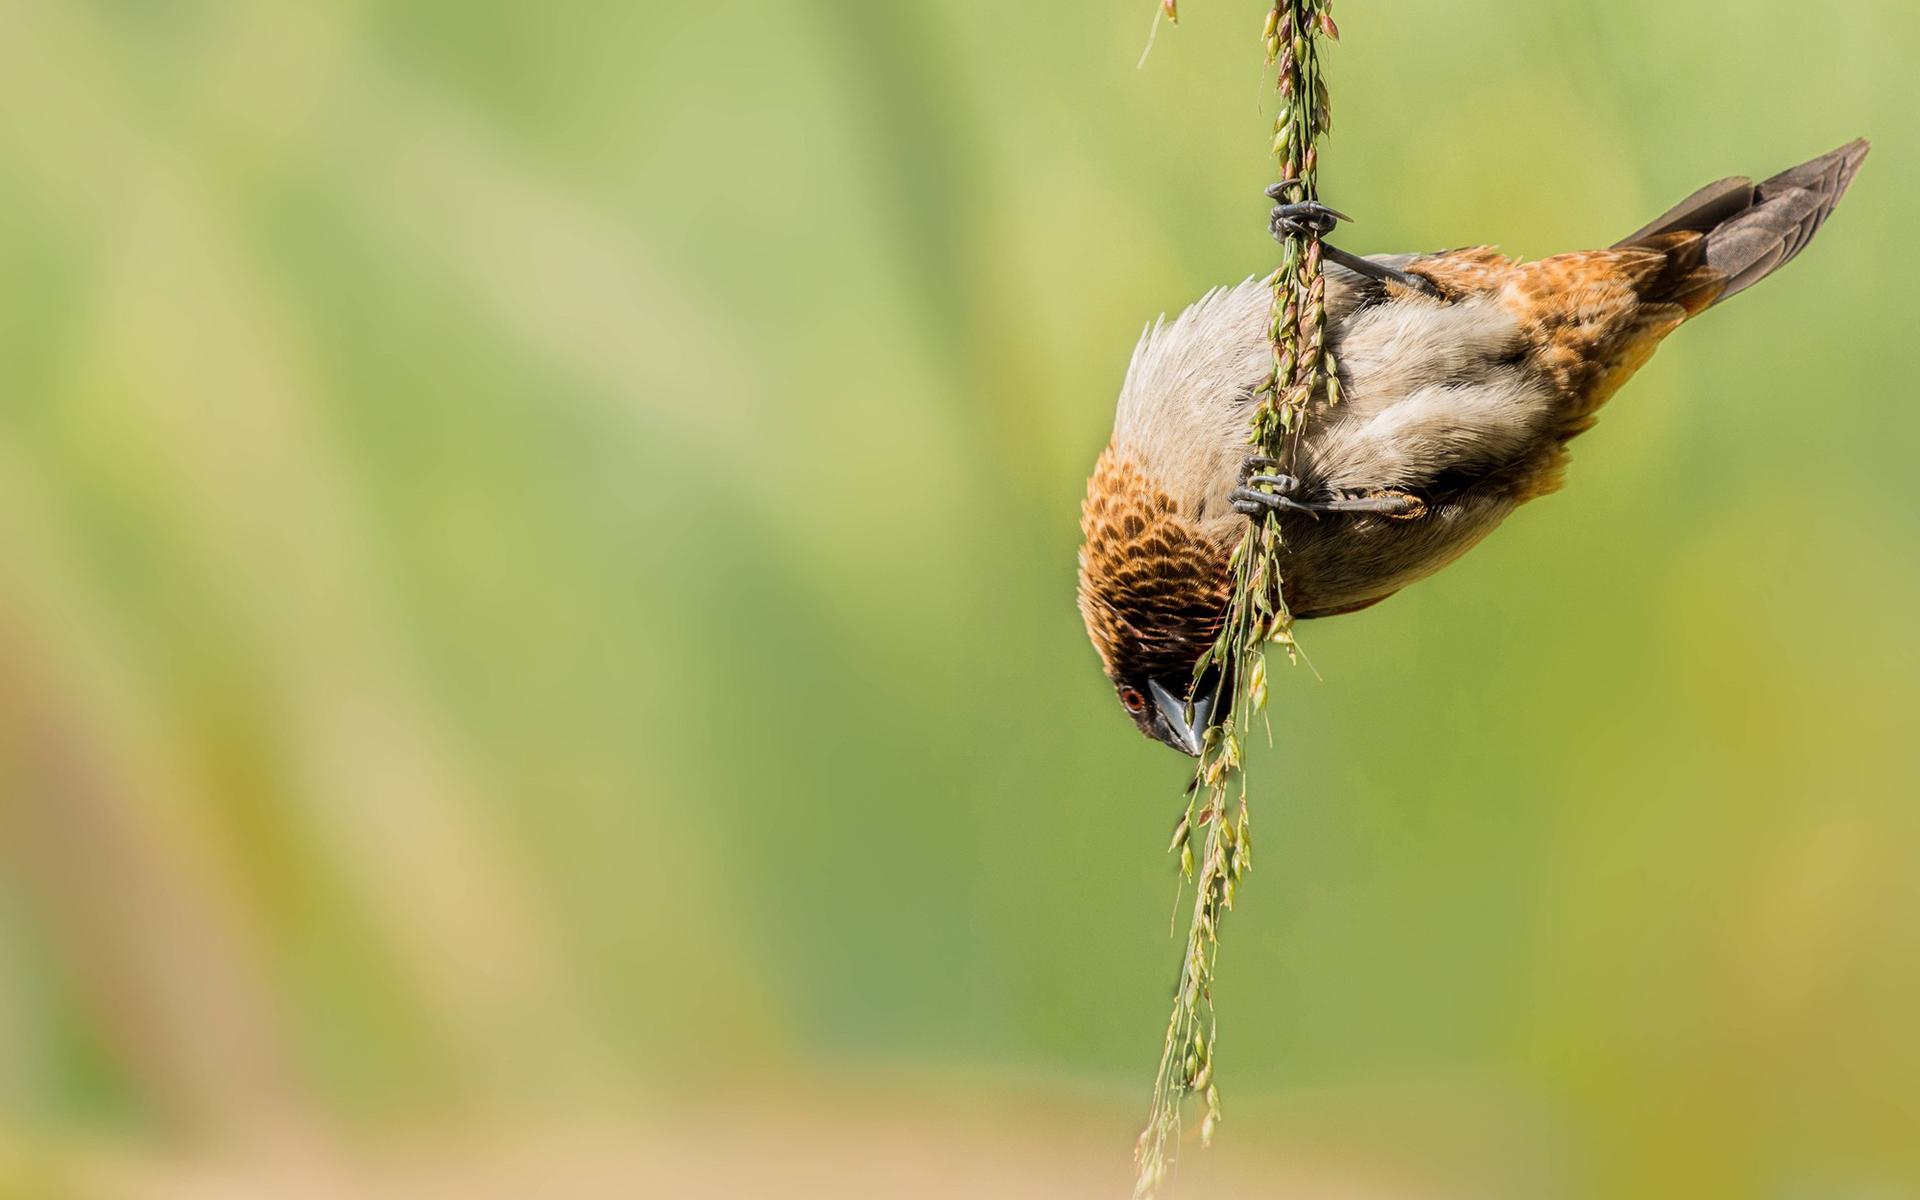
(1153, 588)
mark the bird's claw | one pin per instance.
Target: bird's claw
(1284, 485)
(1249, 503)
(1310, 218)
(1263, 493)
(1256, 463)
(1249, 500)
(1305, 218)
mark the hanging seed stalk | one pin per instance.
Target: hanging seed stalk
(1214, 838)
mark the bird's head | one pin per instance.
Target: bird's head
(1154, 575)
(1153, 589)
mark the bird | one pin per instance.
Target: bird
(1464, 374)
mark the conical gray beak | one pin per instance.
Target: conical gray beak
(1188, 737)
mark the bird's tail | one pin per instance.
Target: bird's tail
(1752, 230)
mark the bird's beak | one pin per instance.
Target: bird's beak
(1188, 737)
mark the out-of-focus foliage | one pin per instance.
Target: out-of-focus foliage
(536, 553)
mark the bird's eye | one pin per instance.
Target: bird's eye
(1135, 702)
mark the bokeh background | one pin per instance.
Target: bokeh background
(537, 652)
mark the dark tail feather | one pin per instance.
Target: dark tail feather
(1753, 230)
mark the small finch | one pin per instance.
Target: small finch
(1464, 374)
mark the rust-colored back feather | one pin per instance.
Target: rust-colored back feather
(1589, 319)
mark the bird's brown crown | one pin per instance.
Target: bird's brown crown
(1152, 586)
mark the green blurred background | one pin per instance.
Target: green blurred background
(537, 639)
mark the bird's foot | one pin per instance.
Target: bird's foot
(1253, 464)
(1250, 500)
(1310, 218)
(1304, 218)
